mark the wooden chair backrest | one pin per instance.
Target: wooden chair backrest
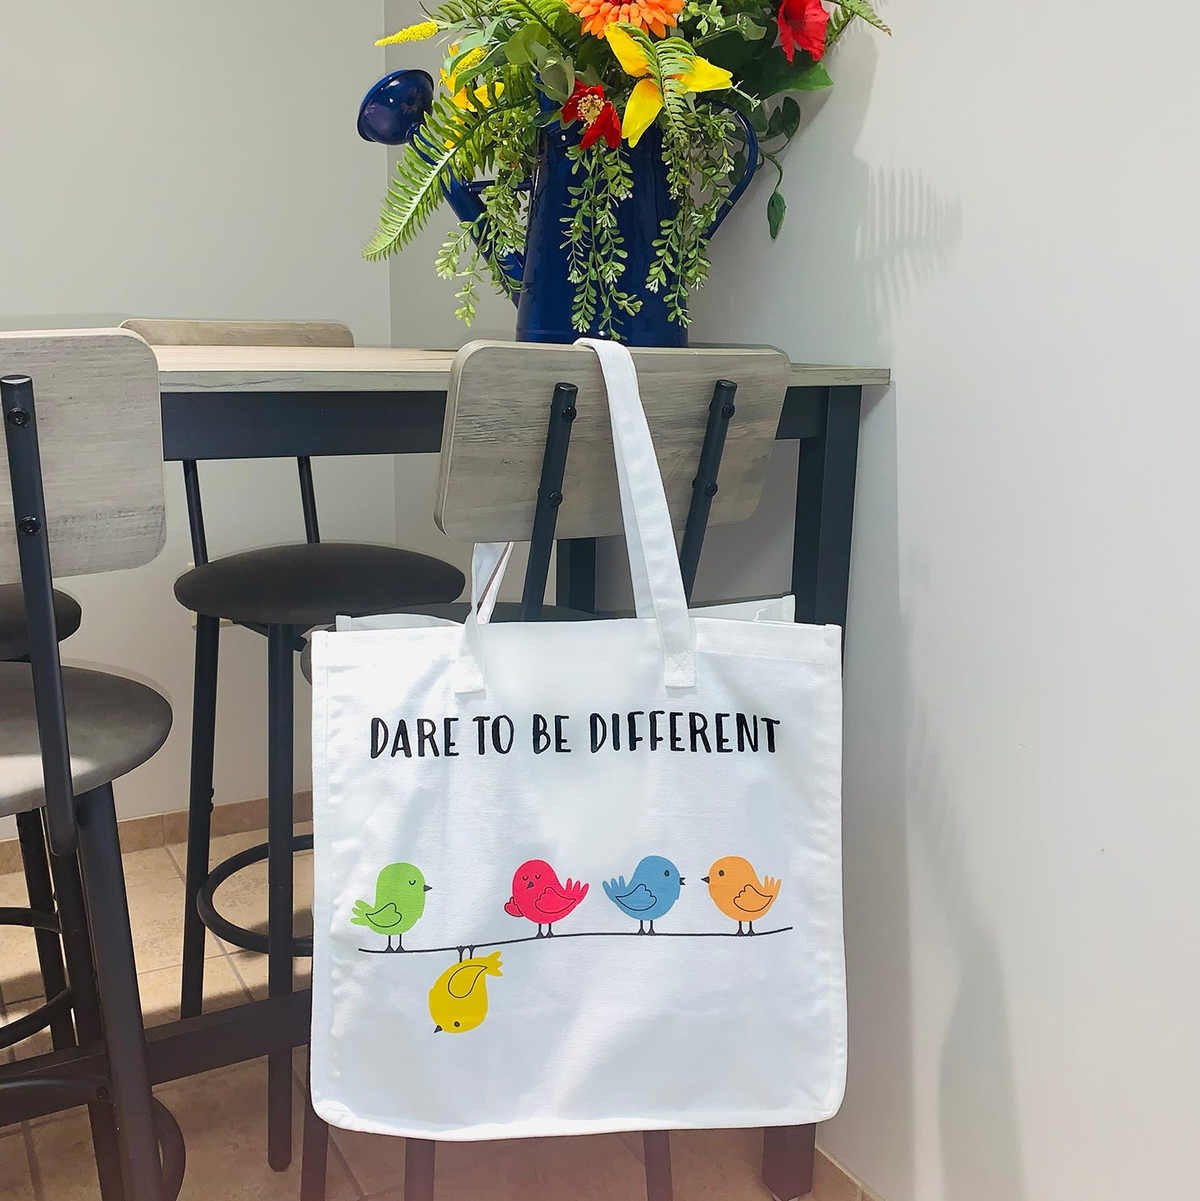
(100, 433)
(497, 412)
(160, 331)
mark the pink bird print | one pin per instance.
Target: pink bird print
(538, 895)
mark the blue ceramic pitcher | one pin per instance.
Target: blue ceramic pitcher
(392, 113)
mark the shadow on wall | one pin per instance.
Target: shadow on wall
(903, 846)
(977, 1100)
(907, 234)
(884, 231)
(858, 242)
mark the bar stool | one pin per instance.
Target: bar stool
(66, 734)
(281, 592)
(54, 919)
(31, 835)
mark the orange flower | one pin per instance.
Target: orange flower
(651, 15)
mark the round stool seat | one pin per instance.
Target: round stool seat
(308, 584)
(504, 611)
(113, 725)
(14, 634)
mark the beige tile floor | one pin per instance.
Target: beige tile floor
(222, 1113)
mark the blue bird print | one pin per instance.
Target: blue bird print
(650, 893)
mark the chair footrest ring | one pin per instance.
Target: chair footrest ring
(22, 1028)
(171, 1150)
(34, 919)
(222, 927)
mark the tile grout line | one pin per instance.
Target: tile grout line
(341, 1158)
(35, 1171)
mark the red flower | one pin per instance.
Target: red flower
(588, 105)
(570, 110)
(802, 23)
(607, 125)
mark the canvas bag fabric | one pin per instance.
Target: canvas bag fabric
(467, 784)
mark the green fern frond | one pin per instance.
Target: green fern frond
(838, 23)
(460, 12)
(553, 15)
(448, 139)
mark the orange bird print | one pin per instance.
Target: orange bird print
(538, 895)
(738, 893)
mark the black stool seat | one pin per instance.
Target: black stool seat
(115, 724)
(14, 636)
(307, 584)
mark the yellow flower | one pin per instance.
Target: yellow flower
(647, 99)
(412, 33)
(481, 96)
(471, 59)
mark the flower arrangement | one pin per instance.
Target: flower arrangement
(606, 71)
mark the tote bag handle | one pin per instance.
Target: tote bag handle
(653, 560)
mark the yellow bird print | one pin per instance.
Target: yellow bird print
(458, 1000)
(738, 893)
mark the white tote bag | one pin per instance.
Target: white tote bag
(577, 877)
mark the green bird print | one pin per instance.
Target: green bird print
(399, 902)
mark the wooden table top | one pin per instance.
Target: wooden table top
(371, 369)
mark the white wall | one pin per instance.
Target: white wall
(172, 160)
(1001, 204)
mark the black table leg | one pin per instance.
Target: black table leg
(821, 583)
(279, 882)
(200, 805)
(825, 513)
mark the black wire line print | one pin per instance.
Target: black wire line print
(509, 942)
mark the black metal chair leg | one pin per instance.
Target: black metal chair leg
(204, 718)
(418, 1169)
(116, 975)
(279, 881)
(656, 1150)
(41, 897)
(85, 1004)
(315, 1147)
(788, 1156)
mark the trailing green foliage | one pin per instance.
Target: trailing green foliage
(698, 174)
(596, 253)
